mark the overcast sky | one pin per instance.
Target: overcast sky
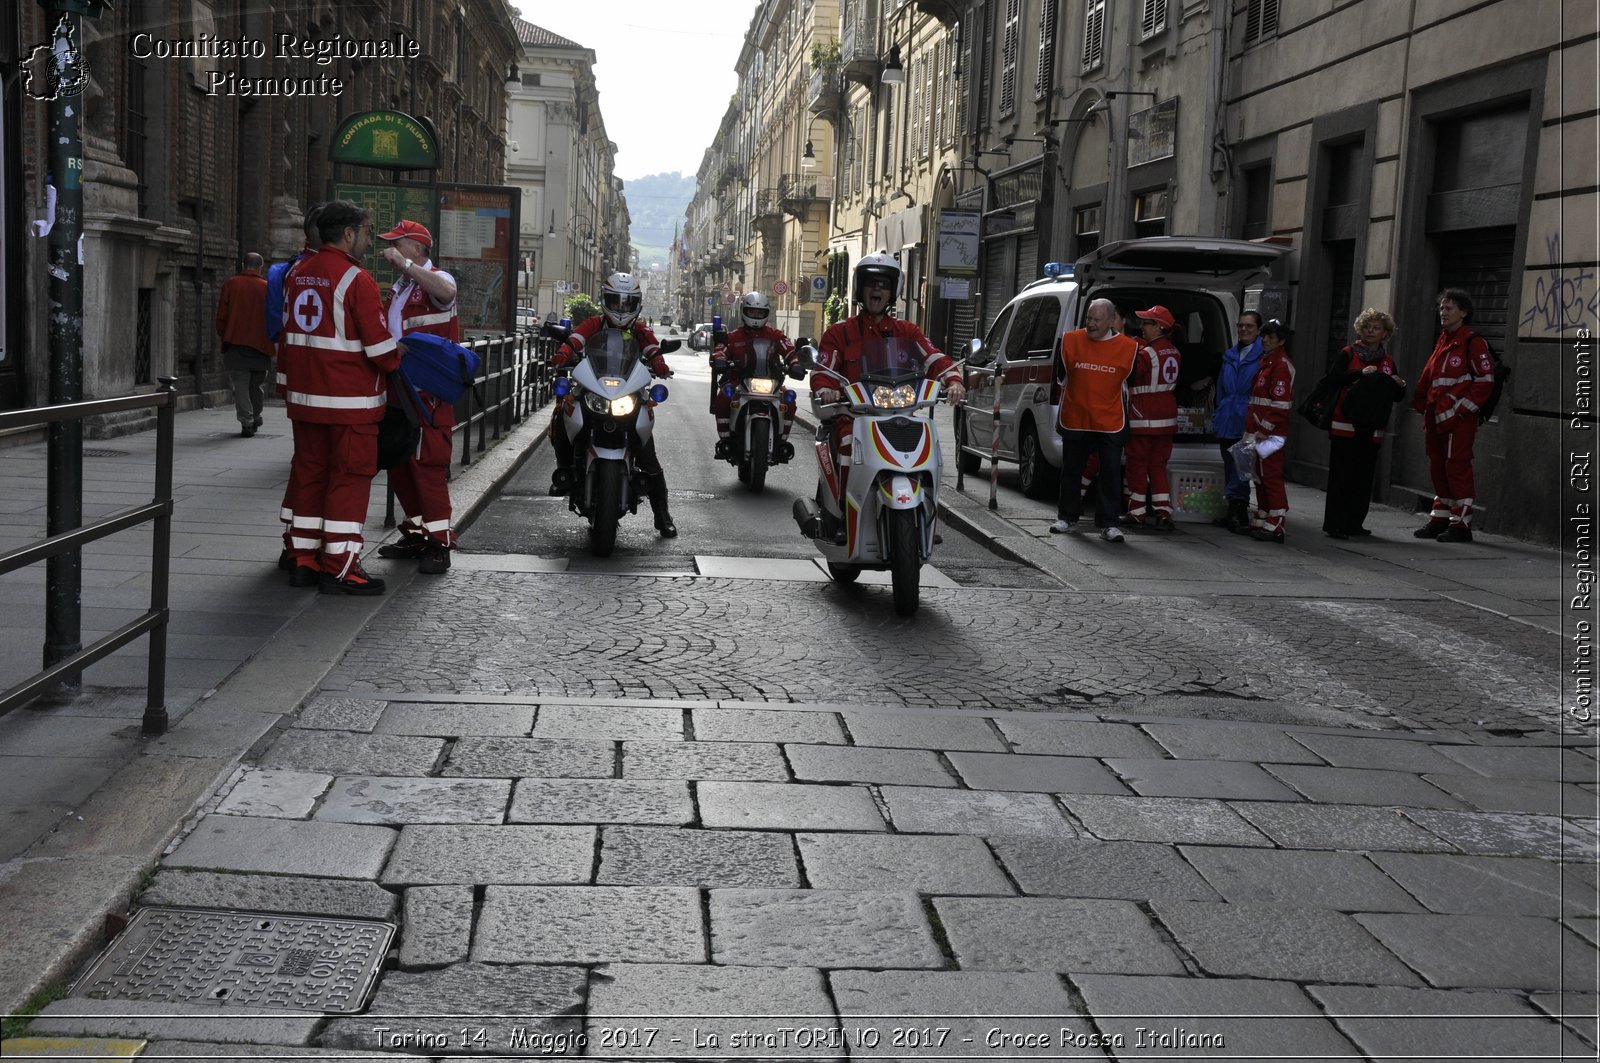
(664, 68)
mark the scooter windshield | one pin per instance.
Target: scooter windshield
(760, 360)
(890, 360)
(612, 353)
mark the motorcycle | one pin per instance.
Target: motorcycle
(611, 410)
(888, 511)
(757, 433)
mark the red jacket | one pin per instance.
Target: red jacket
(571, 348)
(242, 312)
(1271, 396)
(840, 350)
(1459, 376)
(1152, 403)
(738, 346)
(337, 347)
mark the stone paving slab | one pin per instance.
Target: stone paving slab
(1053, 934)
(449, 854)
(340, 898)
(922, 1014)
(1307, 826)
(1363, 786)
(153, 1020)
(788, 806)
(275, 794)
(375, 799)
(1200, 778)
(915, 731)
(1489, 885)
(438, 926)
(589, 924)
(1385, 754)
(765, 725)
(1273, 941)
(1163, 819)
(519, 1010)
(905, 767)
(736, 761)
(420, 718)
(612, 722)
(1576, 1011)
(1135, 871)
(922, 863)
(345, 753)
(820, 928)
(1075, 738)
(658, 801)
(662, 856)
(1346, 882)
(341, 714)
(539, 758)
(1508, 834)
(1585, 926)
(1229, 741)
(1535, 796)
(1523, 762)
(1036, 774)
(1201, 1018)
(1389, 1023)
(284, 847)
(1487, 951)
(686, 1011)
(921, 810)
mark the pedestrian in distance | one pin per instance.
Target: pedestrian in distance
(1368, 386)
(1235, 377)
(422, 299)
(339, 353)
(1457, 379)
(246, 349)
(1152, 421)
(1266, 422)
(1092, 373)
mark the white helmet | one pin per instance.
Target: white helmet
(879, 266)
(754, 310)
(620, 299)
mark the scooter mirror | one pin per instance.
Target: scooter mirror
(668, 346)
(806, 355)
(974, 347)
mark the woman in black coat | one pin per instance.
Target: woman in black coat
(1368, 387)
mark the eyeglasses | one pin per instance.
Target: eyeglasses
(1248, 325)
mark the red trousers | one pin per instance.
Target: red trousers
(1272, 499)
(422, 483)
(1145, 476)
(330, 486)
(1449, 450)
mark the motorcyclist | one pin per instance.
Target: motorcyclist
(874, 285)
(727, 362)
(620, 299)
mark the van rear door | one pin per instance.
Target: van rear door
(1204, 263)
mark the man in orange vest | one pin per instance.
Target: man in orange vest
(247, 352)
(1096, 362)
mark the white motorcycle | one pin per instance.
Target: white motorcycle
(757, 434)
(612, 410)
(886, 515)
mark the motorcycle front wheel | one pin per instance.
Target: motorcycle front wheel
(844, 573)
(605, 510)
(758, 453)
(905, 560)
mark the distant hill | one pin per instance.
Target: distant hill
(655, 204)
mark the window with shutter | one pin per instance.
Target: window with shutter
(1094, 32)
(929, 61)
(1153, 19)
(1047, 50)
(1260, 21)
(1008, 59)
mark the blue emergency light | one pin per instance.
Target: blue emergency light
(789, 396)
(658, 393)
(561, 387)
(1058, 269)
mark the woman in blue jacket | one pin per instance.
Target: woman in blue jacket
(1234, 380)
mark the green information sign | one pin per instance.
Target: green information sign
(392, 140)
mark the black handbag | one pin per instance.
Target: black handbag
(399, 432)
(1318, 406)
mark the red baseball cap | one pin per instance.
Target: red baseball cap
(1159, 314)
(414, 230)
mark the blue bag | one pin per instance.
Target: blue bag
(437, 365)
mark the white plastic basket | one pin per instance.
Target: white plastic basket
(1197, 492)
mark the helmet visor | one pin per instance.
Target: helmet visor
(757, 313)
(618, 303)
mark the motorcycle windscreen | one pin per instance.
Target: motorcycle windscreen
(612, 353)
(890, 360)
(761, 360)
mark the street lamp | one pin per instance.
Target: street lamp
(808, 161)
(893, 72)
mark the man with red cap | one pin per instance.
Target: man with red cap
(422, 299)
(1152, 421)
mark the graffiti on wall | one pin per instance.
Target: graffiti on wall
(1564, 297)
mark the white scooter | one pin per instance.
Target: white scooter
(613, 404)
(885, 516)
(757, 435)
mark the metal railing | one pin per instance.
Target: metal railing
(158, 513)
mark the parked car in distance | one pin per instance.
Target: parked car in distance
(527, 317)
(700, 338)
(1201, 280)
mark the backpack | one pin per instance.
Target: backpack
(1502, 373)
(274, 308)
(437, 365)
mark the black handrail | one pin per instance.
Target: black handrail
(158, 513)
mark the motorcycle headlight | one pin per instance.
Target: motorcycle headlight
(894, 398)
(761, 386)
(597, 403)
(623, 406)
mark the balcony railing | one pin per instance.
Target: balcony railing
(858, 47)
(764, 207)
(797, 191)
(825, 91)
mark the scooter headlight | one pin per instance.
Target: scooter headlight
(895, 398)
(761, 386)
(598, 403)
(624, 406)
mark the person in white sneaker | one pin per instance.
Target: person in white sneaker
(1093, 372)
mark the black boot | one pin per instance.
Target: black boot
(658, 505)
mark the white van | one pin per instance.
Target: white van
(1201, 280)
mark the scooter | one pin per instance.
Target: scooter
(885, 515)
(757, 433)
(611, 410)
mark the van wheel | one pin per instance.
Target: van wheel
(1036, 481)
(969, 463)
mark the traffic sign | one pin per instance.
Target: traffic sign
(780, 287)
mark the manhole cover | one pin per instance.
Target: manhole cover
(240, 960)
(103, 452)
